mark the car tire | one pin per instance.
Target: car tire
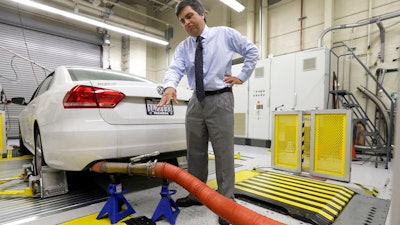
(22, 148)
(38, 158)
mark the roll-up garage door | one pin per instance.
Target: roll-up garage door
(19, 77)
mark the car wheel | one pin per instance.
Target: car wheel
(38, 159)
(22, 149)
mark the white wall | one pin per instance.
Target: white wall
(283, 33)
(283, 30)
(136, 61)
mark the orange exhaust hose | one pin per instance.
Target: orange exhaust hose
(228, 209)
(225, 207)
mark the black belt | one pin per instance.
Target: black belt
(227, 89)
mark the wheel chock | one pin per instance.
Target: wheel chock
(112, 207)
(167, 206)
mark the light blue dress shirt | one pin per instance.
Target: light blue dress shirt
(219, 46)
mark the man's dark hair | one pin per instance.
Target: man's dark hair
(195, 4)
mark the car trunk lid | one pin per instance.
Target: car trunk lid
(139, 104)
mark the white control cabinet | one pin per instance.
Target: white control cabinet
(312, 79)
(295, 81)
(259, 101)
(241, 94)
(299, 81)
(283, 69)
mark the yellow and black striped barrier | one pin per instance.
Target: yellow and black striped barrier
(303, 198)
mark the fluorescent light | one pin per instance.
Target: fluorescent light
(235, 5)
(90, 21)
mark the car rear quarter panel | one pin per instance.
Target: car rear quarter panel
(78, 138)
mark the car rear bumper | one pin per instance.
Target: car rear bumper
(73, 149)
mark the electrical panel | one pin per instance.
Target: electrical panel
(259, 107)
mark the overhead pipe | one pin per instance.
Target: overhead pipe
(226, 208)
(382, 37)
(376, 19)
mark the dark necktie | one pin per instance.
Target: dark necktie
(198, 70)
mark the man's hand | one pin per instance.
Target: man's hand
(169, 94)
(231, 80)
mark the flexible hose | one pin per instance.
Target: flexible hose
(226, 208)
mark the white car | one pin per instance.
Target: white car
(80, 115)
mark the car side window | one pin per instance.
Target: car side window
(44, 86)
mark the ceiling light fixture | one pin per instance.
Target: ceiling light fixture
(235, 5)
(91, 21)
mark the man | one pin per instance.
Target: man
(210, 115)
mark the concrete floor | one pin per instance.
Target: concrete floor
(143, 193)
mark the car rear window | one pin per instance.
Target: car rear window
(95, 74)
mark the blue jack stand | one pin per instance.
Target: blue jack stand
(112, 207)
(167, 206)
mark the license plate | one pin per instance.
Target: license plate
(152, 109)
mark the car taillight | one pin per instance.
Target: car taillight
(83, 96)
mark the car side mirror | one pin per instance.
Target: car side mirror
(18, 101)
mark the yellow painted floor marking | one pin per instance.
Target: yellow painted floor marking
(27, 192)
(91, 219)
(16, 158)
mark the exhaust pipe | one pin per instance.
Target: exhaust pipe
(225, 207)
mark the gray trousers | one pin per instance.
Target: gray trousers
(212, 120)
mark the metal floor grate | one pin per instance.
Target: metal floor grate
(364, 210)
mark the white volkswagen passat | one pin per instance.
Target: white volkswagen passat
(80, 115)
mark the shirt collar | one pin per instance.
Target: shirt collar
(204, 34)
